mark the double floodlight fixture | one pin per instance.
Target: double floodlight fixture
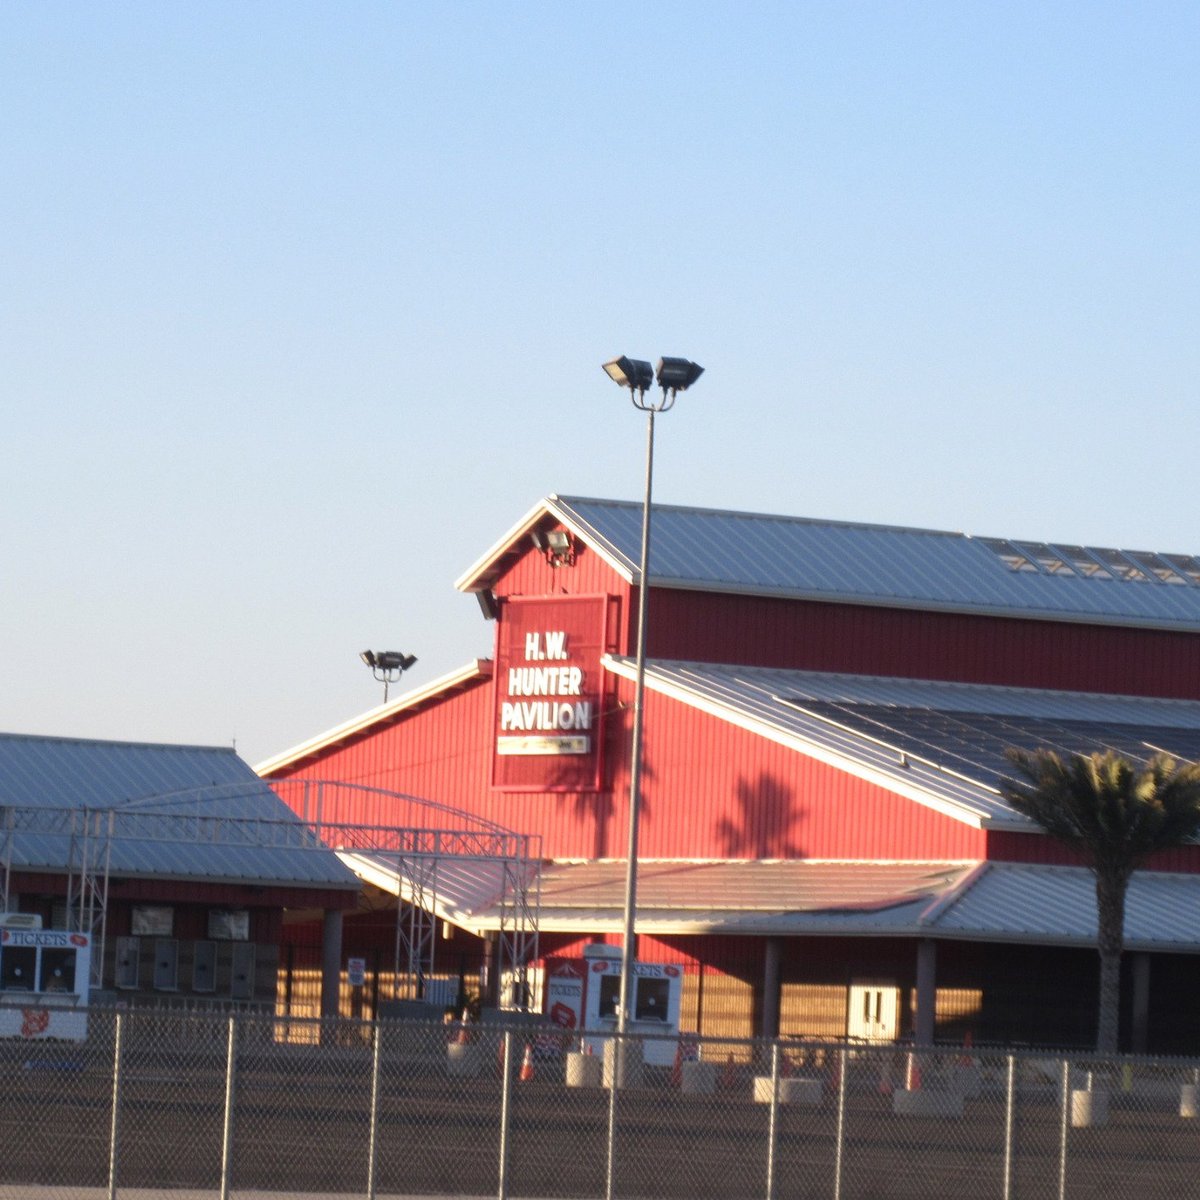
(674, 375)
(387, 666)
(387, 660)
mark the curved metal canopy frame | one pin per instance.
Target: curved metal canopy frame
(413, 840)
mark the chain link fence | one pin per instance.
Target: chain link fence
(228, 1105)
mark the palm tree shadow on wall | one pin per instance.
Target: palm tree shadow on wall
(597, 808)
(766, 815)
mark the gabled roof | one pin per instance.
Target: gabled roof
(194, 813)
(940, 744)
(378, 718)
(1031, 904)
(800, 558)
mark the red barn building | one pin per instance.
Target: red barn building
(823, 843)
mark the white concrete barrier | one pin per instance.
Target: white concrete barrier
(582, 1070)
(792, 1090)
(1088, 1109)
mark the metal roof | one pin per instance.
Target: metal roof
(998, 902)
(940, 744)
(178, 812)
(760, 554)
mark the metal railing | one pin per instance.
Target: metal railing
(226, 1104)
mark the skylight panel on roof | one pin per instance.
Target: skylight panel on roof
(1009, 554)
(1157, 567)
(1095, 562)
(1120, 566)
(1185, 564)
(1085, 562)
(1046, 557)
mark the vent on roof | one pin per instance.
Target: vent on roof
(1096, 562)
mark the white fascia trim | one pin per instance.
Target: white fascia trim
(468, 581)
(480, 668)
(948, 808)
(371, 871)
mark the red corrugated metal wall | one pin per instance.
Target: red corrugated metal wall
(710, 791)
(861, 639)
(713, 790)
(1034, 848)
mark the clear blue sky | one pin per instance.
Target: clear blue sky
(303, 305)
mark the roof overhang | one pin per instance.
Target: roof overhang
(1003, 903)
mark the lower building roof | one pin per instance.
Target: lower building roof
(194, 813)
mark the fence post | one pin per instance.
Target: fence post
(505, 1098)
(1066, 1119)
(115, 1123)
(618, 1056)
(1009, 1125)
(771, 1121)
(373, 1136)
(843, 1059)
(227, 1130)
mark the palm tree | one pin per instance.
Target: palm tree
(1115, 813)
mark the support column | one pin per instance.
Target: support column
(773, 948)
(331, 961)
(923, 1025)
(491, 952)
(1141, 1002)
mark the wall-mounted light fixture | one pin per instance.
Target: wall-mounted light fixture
(557, 545)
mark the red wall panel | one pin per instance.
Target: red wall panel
(1003, 846)
(861, 639)
(710, 790)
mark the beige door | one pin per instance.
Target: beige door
(874, 1014)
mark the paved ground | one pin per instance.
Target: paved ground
(301, 1129)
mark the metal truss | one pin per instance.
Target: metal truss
(430, 851)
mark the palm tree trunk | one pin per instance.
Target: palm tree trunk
(1110, 941)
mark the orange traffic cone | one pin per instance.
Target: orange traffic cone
(885, 1078)
(912, 1076)
(527, 1064)
(835, 1071)
(463, 1037)
(966, 1059)
(729, 1073)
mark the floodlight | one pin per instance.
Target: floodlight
(634, 373)
(677, 374)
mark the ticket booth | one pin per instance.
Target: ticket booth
(44, 979)
(585, 994)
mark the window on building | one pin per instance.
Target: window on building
(17, 966)
(58, 970)
(152, 920)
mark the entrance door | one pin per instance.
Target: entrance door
(874, 1011)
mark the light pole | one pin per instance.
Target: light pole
(674, 375)
(387, 666)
